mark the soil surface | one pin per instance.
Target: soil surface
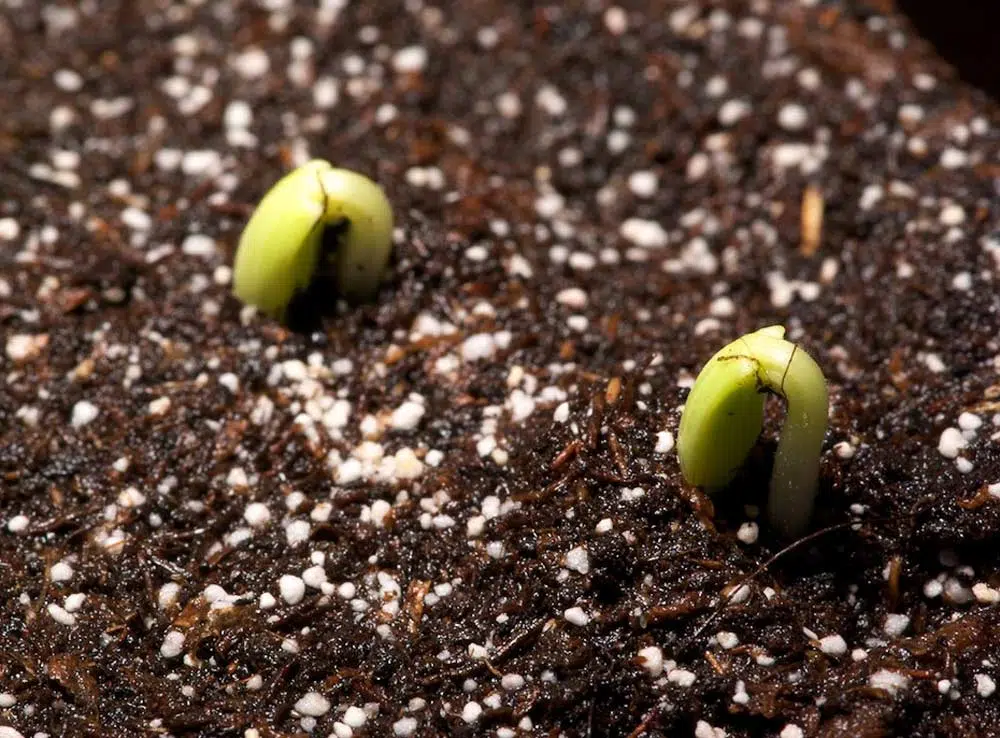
(458, 511)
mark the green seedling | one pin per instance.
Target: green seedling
(724, 414)
(283, 244)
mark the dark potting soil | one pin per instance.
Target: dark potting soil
(458, 511)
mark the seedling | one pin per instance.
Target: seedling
(724, 414)
(283, 244)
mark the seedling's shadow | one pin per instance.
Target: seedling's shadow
(309, 308)
(321, 299)
(751, 487)
(830, 551)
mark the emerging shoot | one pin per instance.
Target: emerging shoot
(724, 414)
(282, 246)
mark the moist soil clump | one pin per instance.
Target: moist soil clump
(458, 510)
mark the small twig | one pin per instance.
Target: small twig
(571, 450)
(760, 570)
(975, 502)
(513, 645)
(618, 453)
(812, 220)
(895, 572)
(653, 714)
(539, 496)
(646, 722)
(414, 607)
(52, 525)
(711, 658)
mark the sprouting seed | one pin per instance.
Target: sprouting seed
(283, 244)
(724, 413)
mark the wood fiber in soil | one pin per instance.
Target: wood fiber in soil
(591, 200)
